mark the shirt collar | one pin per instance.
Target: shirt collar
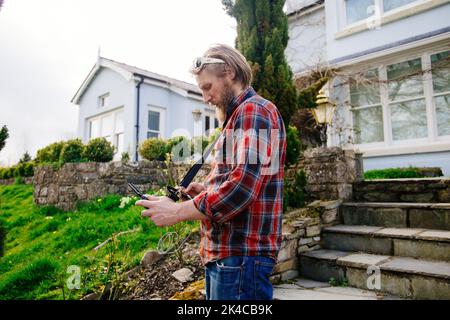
(237, 101)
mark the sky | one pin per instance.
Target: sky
(48, 47)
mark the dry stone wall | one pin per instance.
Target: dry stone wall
(74, 182)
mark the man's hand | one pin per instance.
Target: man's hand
(161, 210)
(194, 189)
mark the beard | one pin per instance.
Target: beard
(222, 105)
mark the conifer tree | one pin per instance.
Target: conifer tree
(262, 37)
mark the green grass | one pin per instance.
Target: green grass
(41, 243)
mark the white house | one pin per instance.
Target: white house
(127, 105)
(390, 61)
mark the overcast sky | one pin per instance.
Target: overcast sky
(48, 47)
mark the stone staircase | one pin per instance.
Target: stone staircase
(397, 229)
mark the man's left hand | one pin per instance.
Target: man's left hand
(161, 210)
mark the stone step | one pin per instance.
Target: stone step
(306, 289)
(417, 243)
(403, 190)
(397, 215)
(401, 276)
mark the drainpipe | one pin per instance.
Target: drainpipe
(138, 87)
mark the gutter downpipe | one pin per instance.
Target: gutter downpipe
(138, 87)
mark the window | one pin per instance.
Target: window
(440, 64)
(210, 123)
(359, 10)
(155, 122)
(366, 106)
(402, 102)
(109, 126)
(407, 100)
(394, 4)
(207, 124)
(94, 130)
(119, 132)
(103, 101)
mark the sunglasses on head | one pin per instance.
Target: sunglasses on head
(200, 62)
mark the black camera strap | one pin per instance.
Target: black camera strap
(174, 193)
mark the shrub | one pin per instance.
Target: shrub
(153, 149)
(7, 173)
(393, 173)
(294, 191)
(72, 151)
(99, 150)
(50, 153)
(177, 146)
(293, 147)
(125, 157)
(24, 169)
(199, 144)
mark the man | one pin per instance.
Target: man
(240, 203)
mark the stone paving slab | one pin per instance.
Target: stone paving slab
(294, 292)
(332, 255)
(398, 232)
(416, 266)
(311, 284)
(362, 260)
(436, 235)
(352, 229)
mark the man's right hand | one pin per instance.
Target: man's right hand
(194, 188)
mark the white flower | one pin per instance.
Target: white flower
(124, 201)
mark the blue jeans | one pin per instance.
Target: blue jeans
(239, 278)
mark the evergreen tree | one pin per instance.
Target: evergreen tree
(25, 158)
(262, 37)
(3, 136)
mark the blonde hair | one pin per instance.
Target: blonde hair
(233, 59)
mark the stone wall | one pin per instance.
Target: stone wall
(403, 190)
(74, 182)
(301, 233)
(331, 173)
(25, 180)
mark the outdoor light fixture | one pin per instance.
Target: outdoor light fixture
(323, 113)
(196, 113)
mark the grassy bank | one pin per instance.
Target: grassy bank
(41, 243)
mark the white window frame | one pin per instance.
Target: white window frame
(212, 117)
(434, 95)
(113, 133)
(162, 121)
(428, 96)
(345, 29)
(103, 100)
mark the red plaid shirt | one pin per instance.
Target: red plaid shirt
(244, 190)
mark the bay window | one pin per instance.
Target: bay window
(366, 107)
(402, 102)
(440, 64)
(406, 100)
(109, 126)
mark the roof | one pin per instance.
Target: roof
(135, 73)
(298, 7)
